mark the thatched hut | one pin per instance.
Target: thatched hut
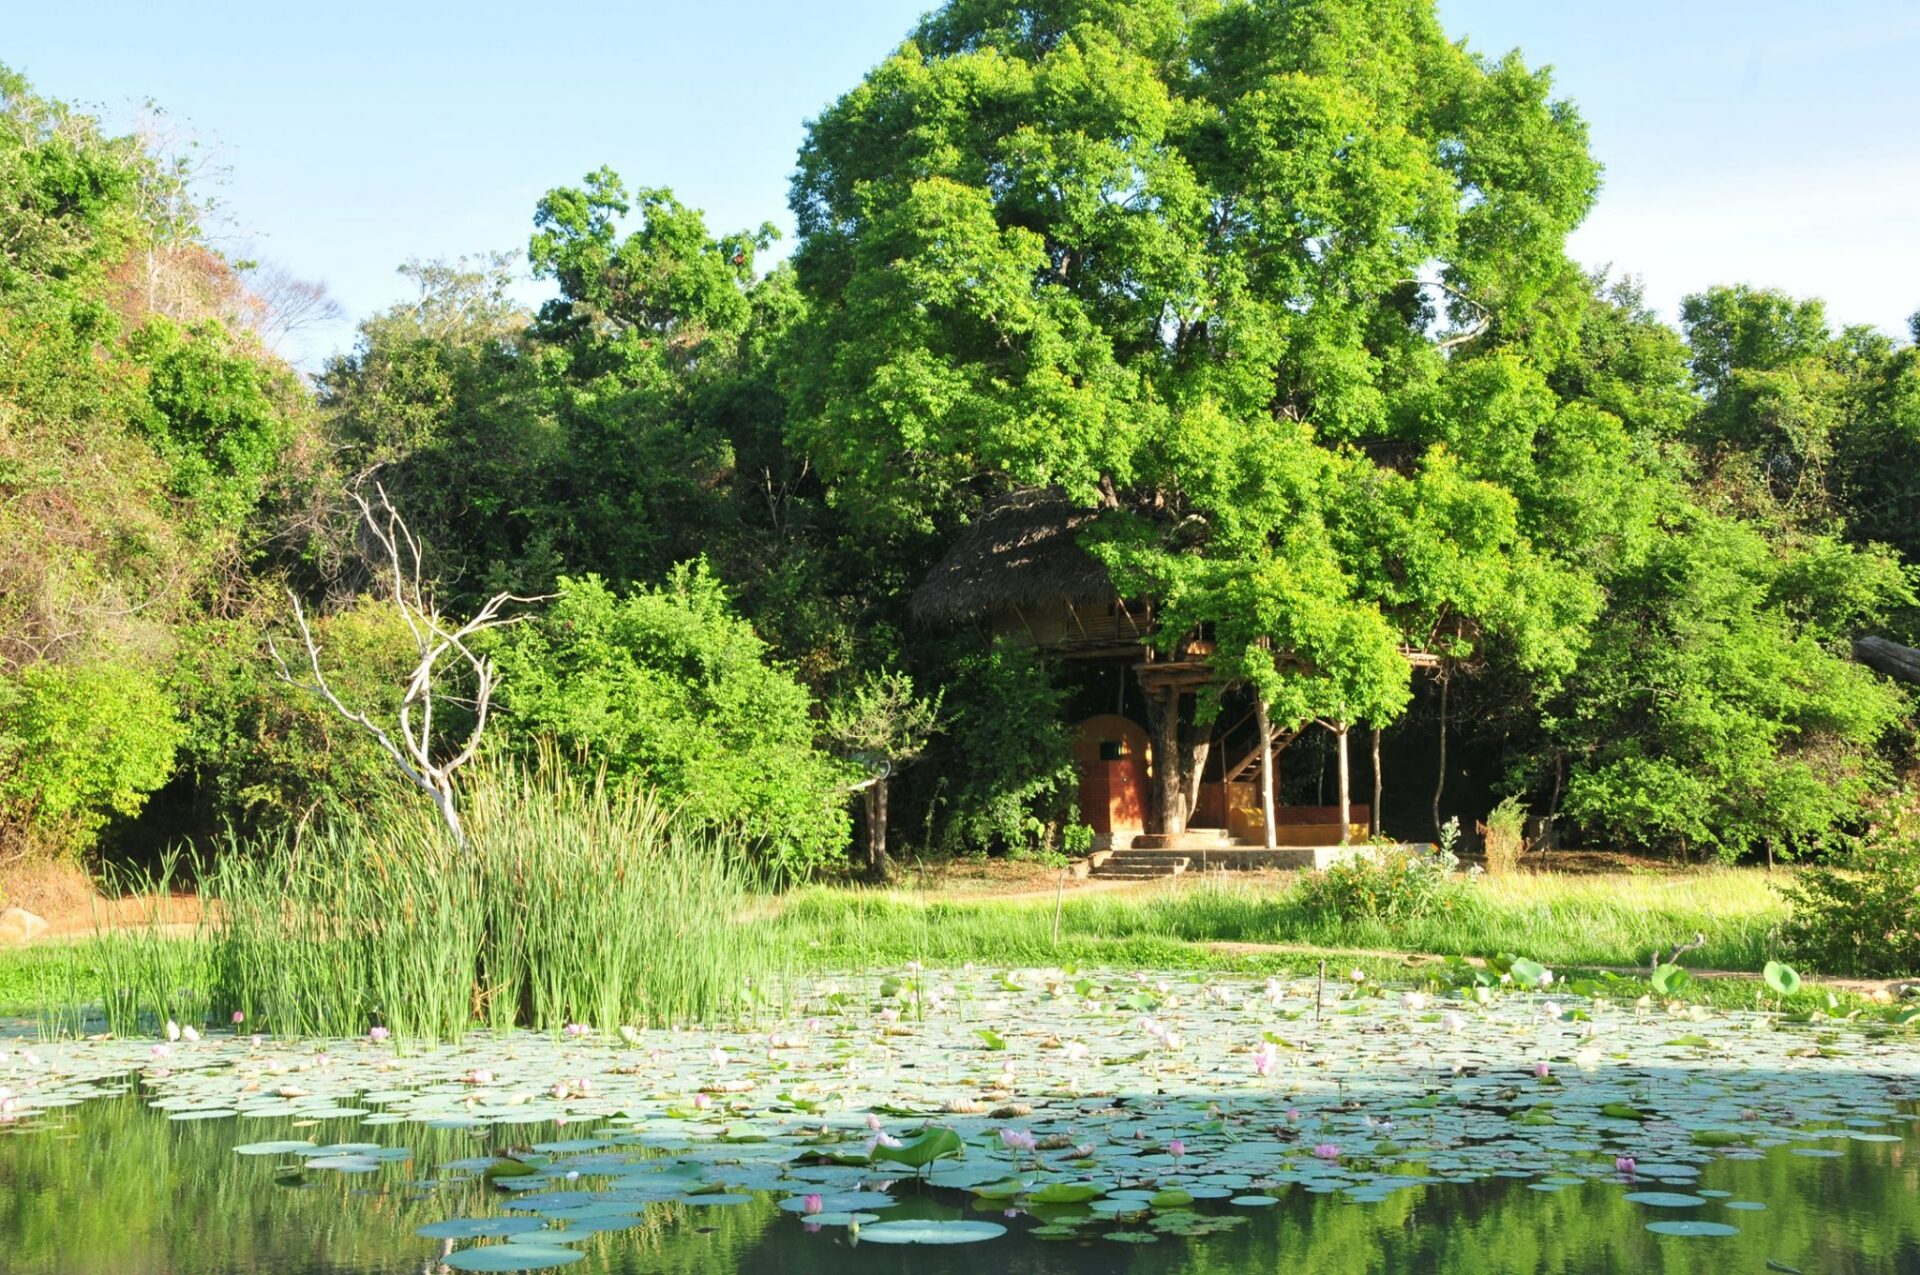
(1021, 572)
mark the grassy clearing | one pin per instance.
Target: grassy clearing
(1560, 920)
(547, 925)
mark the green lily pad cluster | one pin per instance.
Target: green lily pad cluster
(967, 1106)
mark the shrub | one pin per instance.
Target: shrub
(1505, 835)
(1006, 763)
(670, 688)
(1387, 883)
(78, 745)
(1860, 915)
(265, 756)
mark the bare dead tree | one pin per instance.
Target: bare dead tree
(436, 638)
(279, 304)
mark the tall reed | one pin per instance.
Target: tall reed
(573, 902)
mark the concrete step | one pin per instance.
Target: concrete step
(1191, 841)
(1125, 865)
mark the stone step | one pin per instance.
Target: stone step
(1141, 871)
(1189, 841)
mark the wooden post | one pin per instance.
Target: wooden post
(1373, 821)
(1346, 787)
(877, 829)
(1440, 784)
(1269, 837)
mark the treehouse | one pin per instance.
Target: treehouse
(1153, 775)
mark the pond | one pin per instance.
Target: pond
(1040, 1121)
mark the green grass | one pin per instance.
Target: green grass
(1569, 921)
(546, 923)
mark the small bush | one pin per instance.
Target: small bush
(1387, 883)
(1860, 915)
(1506, 836)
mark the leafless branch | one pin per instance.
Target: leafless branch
(398, 563)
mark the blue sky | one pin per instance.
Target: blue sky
(1769, 142)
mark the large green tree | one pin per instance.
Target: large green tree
(1245, 270)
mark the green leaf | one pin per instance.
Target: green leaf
(1782, 978)
(1669, 979)
(993, 1039)
(932, 1145)
(1526, 973)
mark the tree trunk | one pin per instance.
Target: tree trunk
(1346, 787)
(1269, 837)
(1373, 819)
(1199, 743)
(876, 798)
(1180, 749)
(1169, 793)
(1440, 783)
(1902, 662)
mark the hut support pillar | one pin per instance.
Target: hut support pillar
(1341, 730)
(1374, 828)
(1270, 834)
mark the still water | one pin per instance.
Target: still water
(112, 1187)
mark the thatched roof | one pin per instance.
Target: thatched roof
(1020, 554)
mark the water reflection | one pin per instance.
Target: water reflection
(113, 1187)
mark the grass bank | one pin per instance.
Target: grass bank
(1561, 920)
(594, 943)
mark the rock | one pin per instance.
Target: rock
(17, 926)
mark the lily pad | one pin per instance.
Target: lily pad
(1692, 1228)
(513, 1257)
(931, 1232)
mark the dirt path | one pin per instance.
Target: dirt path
(177, 914)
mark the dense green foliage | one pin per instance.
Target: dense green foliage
(669, 687)
(1280, 291)
(136, 444)
(1863, 915)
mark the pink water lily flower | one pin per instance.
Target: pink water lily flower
(1018, 1140)
(1542, 1070)
(377, 1034)
(577, 1030)
(701, 1102)
(1176, 1148)
(1327, 1151)
(811, 1204)
(1266, 1057)
(1625, 1165)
